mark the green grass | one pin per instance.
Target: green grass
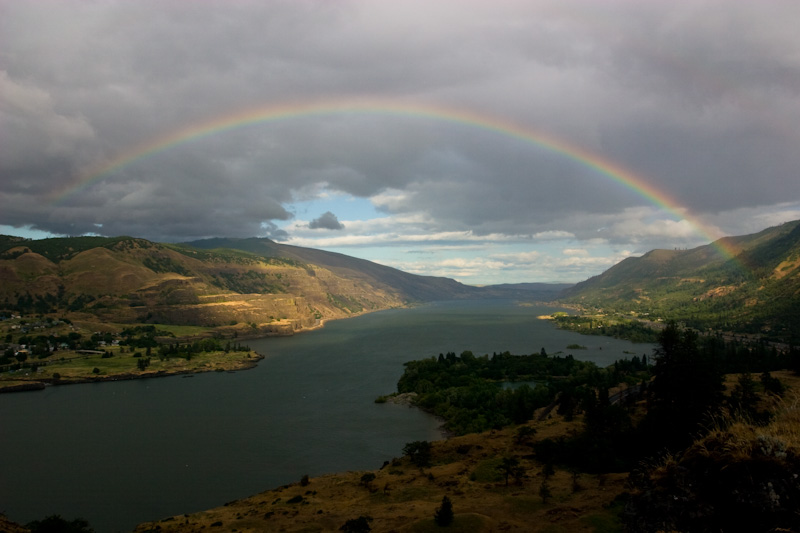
(524, 505)
(488, 471)
(184, 331)
(607, 521)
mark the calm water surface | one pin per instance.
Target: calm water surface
(123, 453)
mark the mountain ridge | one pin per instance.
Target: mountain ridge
(757, 291)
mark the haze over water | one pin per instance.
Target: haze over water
(122, 453)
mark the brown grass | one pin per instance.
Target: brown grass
(404, 498)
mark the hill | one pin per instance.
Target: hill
(500, 480)
(253, 286)
(132, 280)
(408, 286)
(756, 292)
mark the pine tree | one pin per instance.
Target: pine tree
(444, 514)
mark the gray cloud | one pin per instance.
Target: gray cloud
(698, 99)
(326, 221)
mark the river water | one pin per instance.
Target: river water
(118, 454)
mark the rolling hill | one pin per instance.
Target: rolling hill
(757, 291)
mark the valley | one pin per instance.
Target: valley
(92, 310)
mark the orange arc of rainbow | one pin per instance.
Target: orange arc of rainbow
(586, 158)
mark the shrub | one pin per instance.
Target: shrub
(55, 523)
(357, 525)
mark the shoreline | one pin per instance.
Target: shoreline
(34, 384)
(23, 384)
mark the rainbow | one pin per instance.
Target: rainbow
(260, 115)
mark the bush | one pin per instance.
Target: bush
(357, 525)
(56, 524)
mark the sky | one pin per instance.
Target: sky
(496, 141)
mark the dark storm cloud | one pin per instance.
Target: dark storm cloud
(326, 221)
(699, 98)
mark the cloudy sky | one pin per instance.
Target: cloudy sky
(487, 141)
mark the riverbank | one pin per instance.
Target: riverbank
(111, 363)
(122, 367)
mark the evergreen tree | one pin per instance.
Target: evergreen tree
(687, 383)
(444, 514)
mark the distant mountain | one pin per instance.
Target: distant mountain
(543, 289)
(253, 284)
(757, 291)
(413, 287)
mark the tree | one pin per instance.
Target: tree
(357, 525)
(544, 491)
(509, 466)
(687, 383)
(419, 452)
(524, 433)
(56, 524)
(444, 514)
(367, 479)
(743, 396)
(772, 384)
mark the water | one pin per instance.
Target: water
(123, 453)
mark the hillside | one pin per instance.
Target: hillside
(686, 490)
(757, 291)
(253, 285)
(132, 280)
(409, 286)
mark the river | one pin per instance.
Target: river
(118, 454)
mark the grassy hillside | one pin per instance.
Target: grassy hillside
(132, 280)
(673, 493)
(757, 292)
(410, 286)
